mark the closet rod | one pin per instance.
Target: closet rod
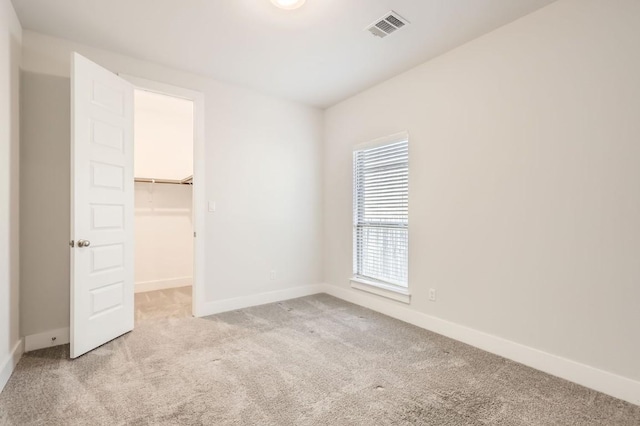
(185, 181)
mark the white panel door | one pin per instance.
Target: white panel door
(101, 206)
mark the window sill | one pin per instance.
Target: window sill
(380, 289)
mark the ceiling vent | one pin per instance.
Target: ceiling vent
(389, 23)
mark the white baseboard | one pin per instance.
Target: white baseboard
(47, 339)
(582, 374)
(9, 364)
(210, 308)
(141, 287)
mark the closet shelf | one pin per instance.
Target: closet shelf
(186, 181)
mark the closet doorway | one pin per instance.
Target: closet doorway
(167, 159)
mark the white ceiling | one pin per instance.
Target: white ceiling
(318, 54)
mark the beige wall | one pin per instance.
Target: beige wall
(163, 235)
(10, 39)
(524, 181)
(163, 136)
(262, 170)
(44, 203)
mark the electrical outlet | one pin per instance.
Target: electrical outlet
(272, 275)
(432, 294)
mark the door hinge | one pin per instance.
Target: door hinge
(194, 235)
(72, 243)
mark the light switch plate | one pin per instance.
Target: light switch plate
(212, 206)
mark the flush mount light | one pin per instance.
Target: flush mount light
(288, 4)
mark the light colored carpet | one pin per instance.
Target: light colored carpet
(310, 361)
(169, 303)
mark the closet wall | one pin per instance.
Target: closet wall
(163, 235)
(163, 212)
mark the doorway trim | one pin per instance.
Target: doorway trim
(198, 289)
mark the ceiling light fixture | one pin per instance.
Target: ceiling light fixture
(288, 4)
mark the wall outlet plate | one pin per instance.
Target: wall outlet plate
(432, 294)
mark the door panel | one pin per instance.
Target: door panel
(101, 205)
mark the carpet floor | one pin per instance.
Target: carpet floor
(311, 361)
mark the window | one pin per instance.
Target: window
(381, 213)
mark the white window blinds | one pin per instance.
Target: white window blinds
(381, 212)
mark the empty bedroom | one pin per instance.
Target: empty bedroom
(320, 212)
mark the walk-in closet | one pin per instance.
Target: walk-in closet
(163, 139)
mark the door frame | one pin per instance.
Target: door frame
(198, 289)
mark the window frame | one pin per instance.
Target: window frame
(379, 287)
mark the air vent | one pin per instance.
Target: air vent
(386, 25)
